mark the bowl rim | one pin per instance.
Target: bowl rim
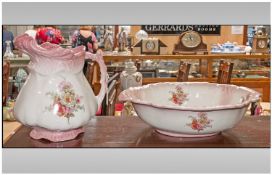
(253, 97)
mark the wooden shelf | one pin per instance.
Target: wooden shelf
(259, 84)
(117, 58)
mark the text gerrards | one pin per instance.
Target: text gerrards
(178, 29)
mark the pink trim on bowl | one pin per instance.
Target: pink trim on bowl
(127, 95)
(172, 134)
(189, 109)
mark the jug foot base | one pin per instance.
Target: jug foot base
(55, 136)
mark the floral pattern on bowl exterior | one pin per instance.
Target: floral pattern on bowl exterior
(65, 103)
(196, 117)
(200, 122)
(178, 97)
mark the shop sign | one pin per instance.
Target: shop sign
(178, 29)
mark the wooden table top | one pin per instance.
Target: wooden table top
(123, 132)
(9, 128)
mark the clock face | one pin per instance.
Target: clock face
(150, 45)
(261, 44)
(191, 39)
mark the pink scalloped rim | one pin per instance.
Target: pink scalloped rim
(47, 50)
(50, 58)
(127, 95)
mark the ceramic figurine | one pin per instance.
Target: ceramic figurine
(108, 39)
(20, 77)
(141, 34)
(259, 109)
(8, 113)
(248, 49)
(122, 40)
(256, 109)
(130, 77)
(128, 110)
(56, 99)
(8, 53)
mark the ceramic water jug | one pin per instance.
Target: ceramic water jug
(56, 99)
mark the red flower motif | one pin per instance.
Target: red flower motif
(194, 124)
(66, 102)
(200, 122)
(68, 99)
(61, 110)
(179, 96)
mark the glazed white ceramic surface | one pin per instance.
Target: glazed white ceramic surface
(130, 77)
(203, 109)
(55, 76)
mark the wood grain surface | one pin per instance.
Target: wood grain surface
(126, 132)
(9, 128)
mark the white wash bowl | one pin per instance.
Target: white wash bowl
(190, 109)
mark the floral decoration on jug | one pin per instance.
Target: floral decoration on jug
(200, 122)
(178, 97)
(65, 103)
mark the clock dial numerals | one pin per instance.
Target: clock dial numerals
(150, 45)
(191, 39)
(261, 44)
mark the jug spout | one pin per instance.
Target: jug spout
(50, 58)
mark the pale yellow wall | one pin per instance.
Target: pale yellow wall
(209, 40)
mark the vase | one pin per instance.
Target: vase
(248, 49)
(8, 52)
(130, 77)
(56, 99)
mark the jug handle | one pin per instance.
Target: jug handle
(98, 57)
